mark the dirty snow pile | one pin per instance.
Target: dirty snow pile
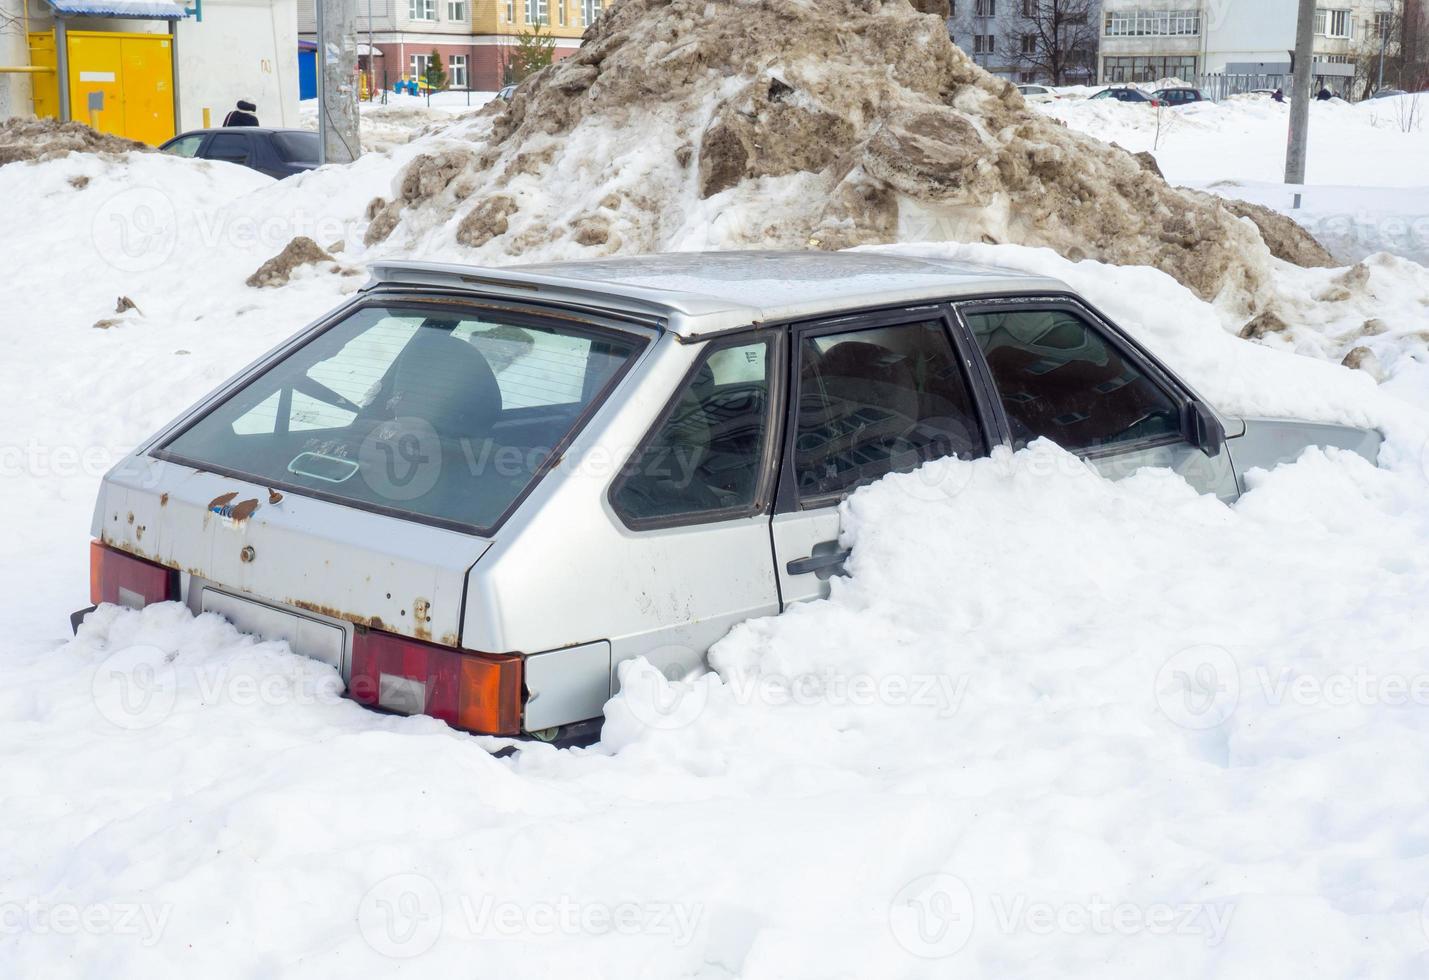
(1368, 184)
(683, 124)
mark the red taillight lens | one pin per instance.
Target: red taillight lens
(478, 692)
(124, 580)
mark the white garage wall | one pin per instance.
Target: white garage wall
(242, 49)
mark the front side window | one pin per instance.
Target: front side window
(185, 147)
(436, 413)
(705, 457)
(232, 147)
(1059, 378)
(880, 400)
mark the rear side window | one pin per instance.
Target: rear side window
(1059, 378)
(704, 459)
(879, 400)
(438, 414)
(296, 147)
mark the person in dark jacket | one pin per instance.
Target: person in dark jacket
(1279, 95)
(243, 115)
(1325, 94)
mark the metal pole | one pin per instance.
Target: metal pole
(337, 63)
(320, 66)
(1300, 94)
(371, 58)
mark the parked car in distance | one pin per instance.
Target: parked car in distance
(1037, 93)
(1126, 94)
(1178, 96)
(507, 94)
(475, 492)
(278, 153)
(1388, 93)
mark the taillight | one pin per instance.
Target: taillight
(478, 692)
(120, 578)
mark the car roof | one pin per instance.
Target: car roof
(696, 294)
(240, 129)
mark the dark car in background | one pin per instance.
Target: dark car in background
(278, 153)
(1178, 96)
(1125, 94)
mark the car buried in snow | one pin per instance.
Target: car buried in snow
(475, 492)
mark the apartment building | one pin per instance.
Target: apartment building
(1147, 40)
(475, 38)
(999, 35)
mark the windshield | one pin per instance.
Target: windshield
(443, 414)
(297, 147)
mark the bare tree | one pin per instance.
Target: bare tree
(1054, 40)
(1397, 50)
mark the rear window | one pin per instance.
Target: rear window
(420, 411)
(296, 147)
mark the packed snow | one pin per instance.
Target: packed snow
(1052, 725)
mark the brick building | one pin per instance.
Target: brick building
(475, 38)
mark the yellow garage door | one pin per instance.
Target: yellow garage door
(123, 83)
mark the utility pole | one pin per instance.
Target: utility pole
(1300, 95)
(337, 76)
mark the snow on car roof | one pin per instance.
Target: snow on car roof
(700, 293)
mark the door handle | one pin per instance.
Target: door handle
(825, 566)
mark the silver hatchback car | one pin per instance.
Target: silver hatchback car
(475, 492)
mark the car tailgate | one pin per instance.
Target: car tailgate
(372, 569)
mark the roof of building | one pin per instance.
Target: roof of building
(139, 9)
(700, 293)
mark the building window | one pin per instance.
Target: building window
(1029, 44)
(1029, 8)
(590, 12)
(537, 12)
(984, 43)
(456, 10)
(1153, 23)
(419, 65)
(510, 11)
(422, 9)
(1333, 23)
(561, 12)
(985, 8)
(456, 71)
(1153, 69)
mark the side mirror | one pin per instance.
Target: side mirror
(1205, 430)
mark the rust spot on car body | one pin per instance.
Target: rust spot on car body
(222, 500)
(244, 510)
(163, 500)
(332, 612)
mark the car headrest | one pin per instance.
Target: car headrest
(445, 382)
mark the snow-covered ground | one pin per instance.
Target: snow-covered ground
(1368, 175)
(1052, 726)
